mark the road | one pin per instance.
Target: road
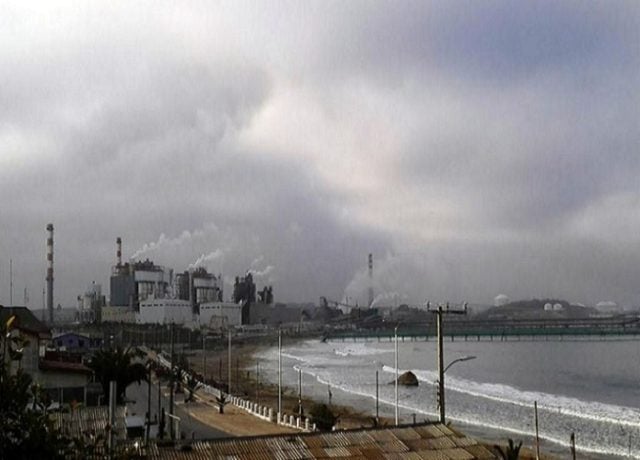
(191, 427)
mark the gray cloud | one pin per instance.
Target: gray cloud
(495, 142)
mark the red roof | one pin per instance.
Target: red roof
(63, 366)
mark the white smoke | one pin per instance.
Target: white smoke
(265, 273)
(164, 242)
(393, 297)
(205, 260)
(501, 300)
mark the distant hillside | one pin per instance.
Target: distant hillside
(535, 309)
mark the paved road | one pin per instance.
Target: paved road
(188, 425)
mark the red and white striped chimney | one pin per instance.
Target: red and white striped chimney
(119, 251)
(50, 272)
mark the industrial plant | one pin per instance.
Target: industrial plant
(146, 293)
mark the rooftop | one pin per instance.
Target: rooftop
(416, 442)
(25, 321)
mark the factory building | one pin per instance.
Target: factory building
(244, 293)
(90, 304)
(165, 311)
(197, 286)
(147, 293)
(132, 283)
(220, 315)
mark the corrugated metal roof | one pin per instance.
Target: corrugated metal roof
(430, 442)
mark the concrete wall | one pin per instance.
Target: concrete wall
(165, 311)
(229, 310)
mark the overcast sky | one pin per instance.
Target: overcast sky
(475, 148)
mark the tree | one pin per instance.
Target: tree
(117, 364)
(323, 417)
(192, 386)
(25, 428)
(511, 452)
(221, 401)
(162, 424)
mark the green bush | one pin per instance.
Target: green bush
(323, 417)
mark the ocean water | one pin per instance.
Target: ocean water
(591, 388)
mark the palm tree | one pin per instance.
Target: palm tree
(512, 452)
(221, 401)
(117, 364)
(192, 384)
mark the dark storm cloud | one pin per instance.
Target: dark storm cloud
(497, 138)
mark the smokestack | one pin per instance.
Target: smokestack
(119, 252)
(50, 272)
(370, 280)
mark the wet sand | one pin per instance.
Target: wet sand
(237, 422)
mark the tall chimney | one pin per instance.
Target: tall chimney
(119, 252)
(50, 272)
(370, 280)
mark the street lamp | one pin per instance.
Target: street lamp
(459, 360)
(439, 312)
(395, 331)
(229, 362)
(441, 384)
(279, 374)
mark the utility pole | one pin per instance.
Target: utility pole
(377, 399)
(171, 385)
(229, 364)
(113, 388)
(204, 357)
(396, 366)
(159, 393)
(573, 445)
(439, 312)
(300, 411)
(148, 403)
(257, 381)
(535, 412)
(10, 282)
(279, 374)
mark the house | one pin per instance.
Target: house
(27, 340)
(76, 343)
(28, 335)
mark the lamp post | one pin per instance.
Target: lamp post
(229, 363)
(279, 373)
(396, 366)
(171, 382)
(441, 384)
(459, 360)
(204, 356)
(441, 369)
(146, 436)
(257, 381)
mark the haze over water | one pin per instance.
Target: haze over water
(588, 387)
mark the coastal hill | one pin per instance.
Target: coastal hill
(538, 309)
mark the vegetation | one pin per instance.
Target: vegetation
(221, 401)
(192, 386)
(162, 424)
(511, 452)
(117, 364)
(323, 417)
(26, 430)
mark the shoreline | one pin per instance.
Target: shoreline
(245, 357)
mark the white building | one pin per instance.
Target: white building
(165, 311)
(220, 315)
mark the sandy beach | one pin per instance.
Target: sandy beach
(237, 422)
